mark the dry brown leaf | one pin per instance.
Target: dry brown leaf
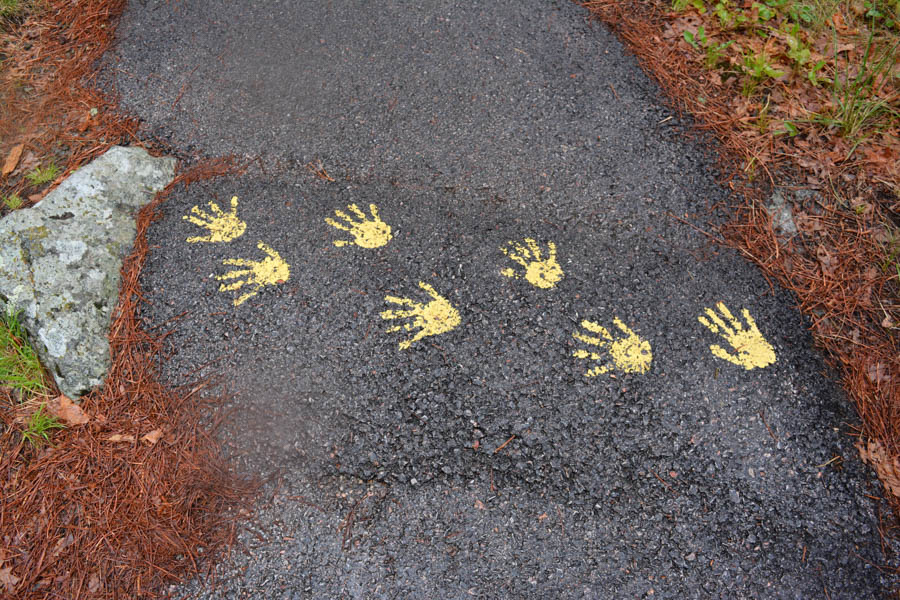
(94, 583)
(888, 469)
(12, 160)
(62, 544)
(67, 411)
(8, 580)
(29, 161)
(119, 437)
(152, 437)
(878, 373)
(826, 259)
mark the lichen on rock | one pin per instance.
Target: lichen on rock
(60, 261)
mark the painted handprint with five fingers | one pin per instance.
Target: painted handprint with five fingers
(540, 271)
(367, 232)
(434, 318)
(628, 352)
(222, 226)
(255, 274)
(751, 350)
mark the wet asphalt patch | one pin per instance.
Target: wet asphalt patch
(483, 358)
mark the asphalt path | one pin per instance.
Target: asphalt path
(481, 349)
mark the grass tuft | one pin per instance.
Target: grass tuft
(40, 424)
(13, 201)
(42, 175)
(20, 368)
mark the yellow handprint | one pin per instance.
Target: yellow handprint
(268, 271)
(434, 318)
(222, 226)
(367, 232)
(752, 348)
(540, 272)
(629, 353)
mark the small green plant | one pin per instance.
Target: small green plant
(788, 128)
(757, 68)
(880, 13)
(13, 201)
(798, 51)
(10, 8)
(20, 368)
(683, 5)
(42, 175)
(728, 19)
(801, 13)
(765, 13)
(813, 74)
(714, 52)
(697, 40)
(40, 424)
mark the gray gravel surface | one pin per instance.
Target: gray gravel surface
(482, 462)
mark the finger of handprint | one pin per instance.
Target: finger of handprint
(400, 301)
(515, 257)
(594, 341)
(625, 329)
(598, 370)
(360, 214)
(234, 203)
(195, 239)
(430, 290)
(237, 273)
(245, 297)
(374, 210)
(399, 314)
(720, 352)
(510, 273)
(334, 223)
(523, 251)
(730, 317)
(750, 321)
(268, 250)
(585, 354)
(420, 335)
(198, 221)
(346, 217)
(534, 248)
(725, 329)
(551, 249)
(234, 285)
(596, 328)
(215, 209)
(202, 214)
(239, 262)
(711, 326)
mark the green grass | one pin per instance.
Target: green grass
(11, 8)
(857, 107)
(42, 175)
(13, 201)
(40, 424)
(20, 368)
